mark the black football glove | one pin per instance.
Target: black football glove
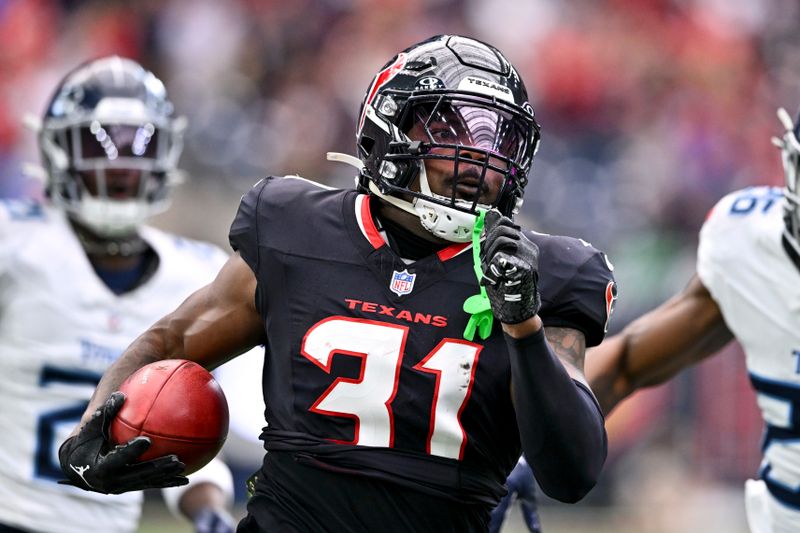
(92, 463)
(510, 264)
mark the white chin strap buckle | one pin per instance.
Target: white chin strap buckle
(444, 222)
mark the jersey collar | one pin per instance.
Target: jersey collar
(366, 224)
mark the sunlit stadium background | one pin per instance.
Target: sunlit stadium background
(651, 110)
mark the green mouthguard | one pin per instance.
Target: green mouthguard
(478, 306)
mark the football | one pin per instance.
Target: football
(177, 404)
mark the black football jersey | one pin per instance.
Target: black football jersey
(366, 368)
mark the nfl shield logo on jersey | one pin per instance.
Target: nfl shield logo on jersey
(402, 282)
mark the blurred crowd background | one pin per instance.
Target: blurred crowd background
(651, 110)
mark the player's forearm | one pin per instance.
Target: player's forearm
(561, 426)
(610, 394)
(653, 348)
(203, 499)
(153, 345)
(605, 372)
(634, 359)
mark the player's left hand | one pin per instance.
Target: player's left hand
(510, 264)
(213, 521)
(92, 463)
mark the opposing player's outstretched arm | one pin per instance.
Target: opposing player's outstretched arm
(683, 330)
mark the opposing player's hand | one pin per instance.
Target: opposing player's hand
(92, 463)
(510, 264)
(214, 521)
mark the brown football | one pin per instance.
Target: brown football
(177, 404)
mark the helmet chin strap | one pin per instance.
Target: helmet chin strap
(100, 245)
(442, 221)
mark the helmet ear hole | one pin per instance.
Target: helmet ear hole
(367, 144)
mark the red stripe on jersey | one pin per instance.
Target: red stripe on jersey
(452, 250)
(372, 233)
(374, 237)
(611, 297)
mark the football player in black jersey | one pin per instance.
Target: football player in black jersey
(417, 341)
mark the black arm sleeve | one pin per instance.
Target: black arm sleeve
(560, 422)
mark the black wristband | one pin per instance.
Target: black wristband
(530, 340)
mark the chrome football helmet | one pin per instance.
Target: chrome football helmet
(110, 145)
(449, 98)
(789, 144)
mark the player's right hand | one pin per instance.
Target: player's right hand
(92, 463)
(510, 264)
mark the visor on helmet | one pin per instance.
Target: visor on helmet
(109, 145)
(492, 131)
(488, 143)
(113, 174)
(115, 141)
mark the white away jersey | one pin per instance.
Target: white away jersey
(60, 328)
(743, 263)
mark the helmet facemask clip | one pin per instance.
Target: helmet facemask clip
(789, 145)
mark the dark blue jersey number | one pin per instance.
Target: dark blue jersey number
(782, 437)
(49, 422)
(755, 200)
